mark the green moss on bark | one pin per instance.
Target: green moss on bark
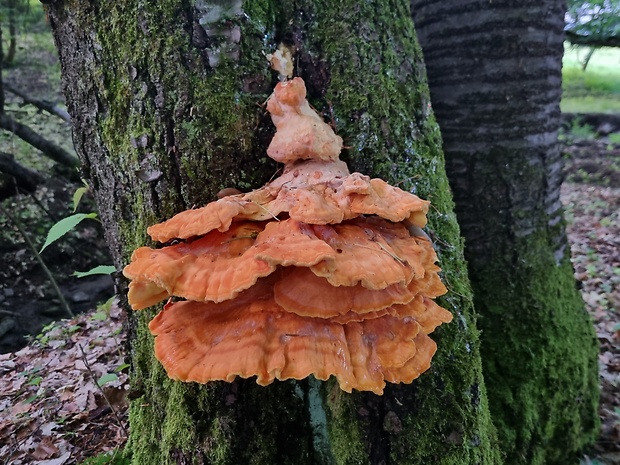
(543, 343)
(347, 438)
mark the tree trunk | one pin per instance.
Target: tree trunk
(495, 74)
(9, 57)
(165, 99)
(1, 78)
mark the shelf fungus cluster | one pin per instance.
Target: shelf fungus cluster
(320, 272)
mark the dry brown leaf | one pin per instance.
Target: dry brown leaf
(44, 450)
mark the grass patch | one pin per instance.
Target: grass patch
(614, 138)
(595, 90)
(590, 104)
(576, 131)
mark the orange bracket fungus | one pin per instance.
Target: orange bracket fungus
(320, 272)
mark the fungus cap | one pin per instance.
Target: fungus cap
(218, 266)
(372, 252)
(311, 192)
(203, 342)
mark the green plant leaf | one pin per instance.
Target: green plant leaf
(101, 269)
(121, 367)
(77, 196)
(107, 378)
(105, 307)
(34, 381)
(99, 316)
(64, 226)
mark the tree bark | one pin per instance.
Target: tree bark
(495, 74)
(165, 99)
(11, 8)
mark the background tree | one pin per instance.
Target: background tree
(14, 176)
(595, 23)
(164, 97)
(8, 10)
(495, 72)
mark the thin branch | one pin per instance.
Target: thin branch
(36, 254)
(601, 41)
(92, 375)
(52, 108)
(25, 178)
(588, 57)
(45, 210)
(265, 209)
(50, 149)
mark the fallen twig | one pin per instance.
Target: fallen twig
(50, 149)
(52, 108)
(92, 375)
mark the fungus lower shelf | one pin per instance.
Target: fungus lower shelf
(315, 273)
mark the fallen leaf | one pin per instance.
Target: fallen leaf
(44, 450)
(47, 428)
(59, 461)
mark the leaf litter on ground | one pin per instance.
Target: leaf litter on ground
(54, 411)
(593, 217)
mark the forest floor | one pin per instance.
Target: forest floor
(591, 198)
(63, 396)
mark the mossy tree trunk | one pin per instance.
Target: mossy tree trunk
(495, 78)
(166, 99)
